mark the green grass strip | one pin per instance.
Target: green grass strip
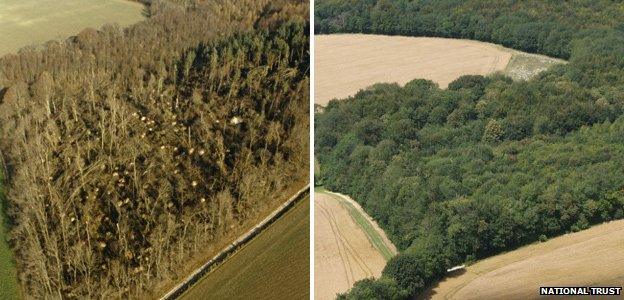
(8, 273)
(372, 234)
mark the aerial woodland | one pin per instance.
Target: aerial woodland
(128, 150)
(488, 164)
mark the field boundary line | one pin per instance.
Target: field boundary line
(375, 238)
(242, 240)
(377, 230)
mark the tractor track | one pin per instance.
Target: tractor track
(348, 249)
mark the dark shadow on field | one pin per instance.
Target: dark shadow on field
(429, 292)
(147, 12)
(2, 92)
(6, 222)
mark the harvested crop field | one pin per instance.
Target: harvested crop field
(593, 257)
(345, 251)
(32, 22)
(274, 265)
(347, 63)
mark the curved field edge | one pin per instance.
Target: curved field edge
(387, 59)
(343, 253)
(374, 234)
(9, 288)
(281, 253)
(560, 261)
(521, 65)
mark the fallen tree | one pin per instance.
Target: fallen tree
(121, 158)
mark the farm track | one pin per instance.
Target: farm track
(344, 253)
(236, 246)
(345, 260)
(351, 250)
(348, 249)
(370, 227)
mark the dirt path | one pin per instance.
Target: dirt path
(343, 254)
(593, 257)
(346, 63)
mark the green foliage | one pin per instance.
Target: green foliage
(476, 83)
(493, 131)
(546, 27)
(488, 164)
(412, 272)
(370, 289)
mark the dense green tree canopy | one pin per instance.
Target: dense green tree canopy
(488, 164)
(375, 289)
(547, 27)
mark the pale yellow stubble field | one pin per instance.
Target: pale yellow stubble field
(592, 257)
(33, 22)
(346, 63)
(344, 252)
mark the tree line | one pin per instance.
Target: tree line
(130, 150)
(545, 27)
(488, 164)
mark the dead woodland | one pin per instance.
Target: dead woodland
(127, 150)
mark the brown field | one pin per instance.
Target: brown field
(274, 265)
(32, 22)
(346, 63)
(343, 253)
(593, 257)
